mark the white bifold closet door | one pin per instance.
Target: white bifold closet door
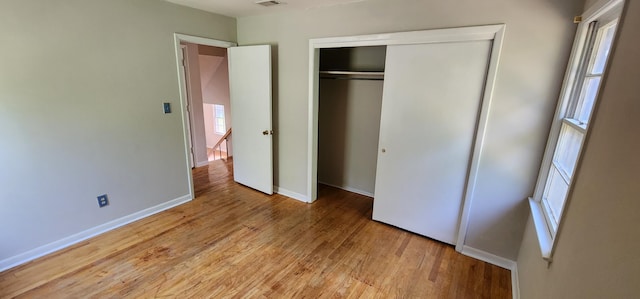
(431, 101)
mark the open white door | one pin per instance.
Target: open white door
(250, 88)
(431, 102)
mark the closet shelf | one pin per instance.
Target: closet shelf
(352, 75)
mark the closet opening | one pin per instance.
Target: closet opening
(428, 130)
(350, 101)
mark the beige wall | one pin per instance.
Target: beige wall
(589, 3)
(536, 46)
(349, 125)
(597, 254)
(81, 90)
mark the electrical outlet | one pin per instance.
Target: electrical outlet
(103, 201)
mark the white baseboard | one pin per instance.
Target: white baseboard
(498, 261)
(515, 282)
(488, 257)
(291, 194)
(347, 188)
(202, 163)
(33, 254)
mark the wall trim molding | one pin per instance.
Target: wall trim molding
(498, 261)
(54, 246)
(202, 163)
(347, 188)
(290, 194)
(515, 282)
(488, 257)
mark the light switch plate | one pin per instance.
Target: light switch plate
(103, 200)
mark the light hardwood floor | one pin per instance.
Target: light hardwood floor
(232, 241)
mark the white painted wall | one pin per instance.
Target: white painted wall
(81, 90)
(598, 244)
(536, 46)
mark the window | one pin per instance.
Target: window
(575, 123)
(218, 118)
(571, 124)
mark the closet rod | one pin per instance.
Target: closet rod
(352, 78)
(351, 75)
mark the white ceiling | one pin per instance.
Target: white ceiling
(243, 8)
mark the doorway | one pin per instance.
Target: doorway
(206, 75)
(204, 82)
(249, 89)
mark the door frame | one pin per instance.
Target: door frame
(184, 100)
(185, 71)
(494, 33)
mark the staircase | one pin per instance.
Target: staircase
(218, 147)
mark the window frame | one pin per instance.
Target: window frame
(216, 126)
(605, 12)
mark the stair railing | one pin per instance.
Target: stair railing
(218, 145)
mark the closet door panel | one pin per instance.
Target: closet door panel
(431, 101)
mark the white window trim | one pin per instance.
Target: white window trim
(216, 127)
(548, 242)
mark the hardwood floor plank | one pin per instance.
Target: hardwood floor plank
(234, 242)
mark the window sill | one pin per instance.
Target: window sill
(542, 230)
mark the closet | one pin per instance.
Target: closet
(404, 122)
(431, 102)
(350, 100)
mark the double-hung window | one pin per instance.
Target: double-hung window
(568, 132)
(218, 117)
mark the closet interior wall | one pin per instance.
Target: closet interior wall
(349, 117)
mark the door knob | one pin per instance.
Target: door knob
(267, 132)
